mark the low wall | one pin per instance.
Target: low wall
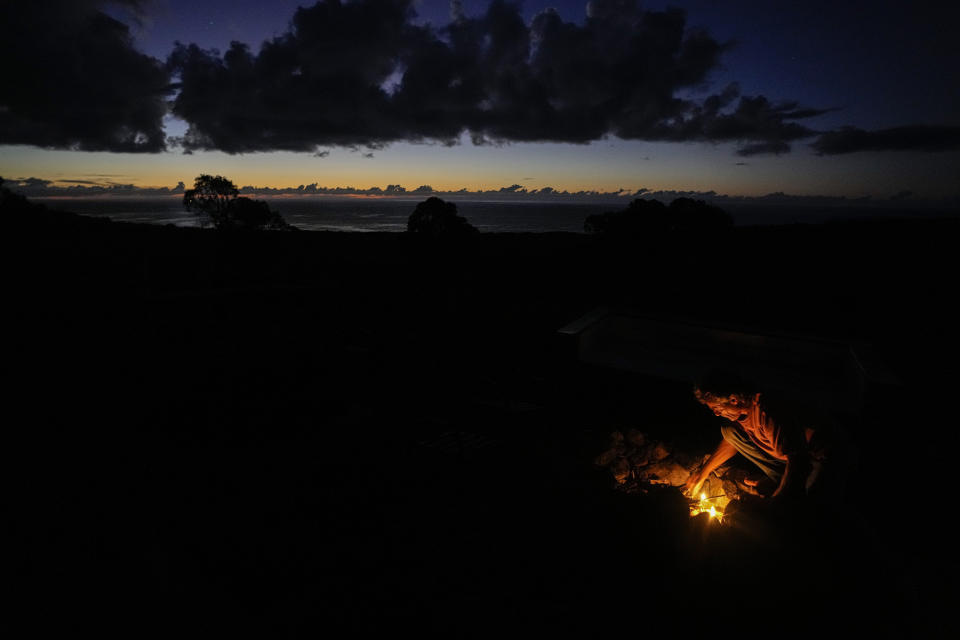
(839, 373)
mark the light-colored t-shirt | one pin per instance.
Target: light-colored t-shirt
(778, 438)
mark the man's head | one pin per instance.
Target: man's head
(726, 393)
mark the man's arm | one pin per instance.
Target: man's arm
(724, 452)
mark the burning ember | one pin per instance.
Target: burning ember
(714, 505)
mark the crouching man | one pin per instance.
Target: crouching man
(801, 450)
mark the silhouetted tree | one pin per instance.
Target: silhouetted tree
(214, 199)
(436, 217)
(210, 198)
(644, 216)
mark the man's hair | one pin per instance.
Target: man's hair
(722, 383)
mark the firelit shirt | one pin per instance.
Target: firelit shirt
(779, 434)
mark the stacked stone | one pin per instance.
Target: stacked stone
(638, 462)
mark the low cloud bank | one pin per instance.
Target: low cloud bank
(40, 188)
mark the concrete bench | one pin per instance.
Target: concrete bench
(840, 373)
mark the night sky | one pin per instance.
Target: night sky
(743, 97)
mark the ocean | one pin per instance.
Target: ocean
(331, 213)
(325, 213)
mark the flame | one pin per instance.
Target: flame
(705, 505)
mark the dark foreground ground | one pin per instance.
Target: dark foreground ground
(292, 434)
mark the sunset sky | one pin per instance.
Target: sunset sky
(741, 97)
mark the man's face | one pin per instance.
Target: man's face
(729, 408)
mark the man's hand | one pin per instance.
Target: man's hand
(724, 452)
(692, 487)
(750, 486)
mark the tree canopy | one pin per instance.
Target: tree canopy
(438, 218)
(214, 199)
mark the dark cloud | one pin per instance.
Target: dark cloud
(73, 80)
(317, 85)
(760, 126)
(363, 74)
(909, 138)
(32, 183)
(775, 148)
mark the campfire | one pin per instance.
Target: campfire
(710, 506)
(638, 463)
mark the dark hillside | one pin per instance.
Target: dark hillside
(277, 432)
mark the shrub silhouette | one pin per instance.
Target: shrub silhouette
(687, 213)
(254, 214)
(640, 215)
(436, 218)
(214, 199)
(644, 216)
(12, 204)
